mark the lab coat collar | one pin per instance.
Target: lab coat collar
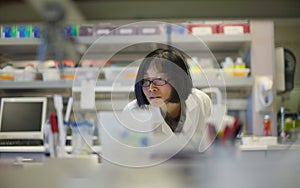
(190, 106)
(190, 103)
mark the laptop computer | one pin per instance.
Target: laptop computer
(124, 138)
(135, 139)
(22, 120)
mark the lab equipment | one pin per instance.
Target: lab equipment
(285, 68)
(82, 137)
(68, 111)
(263, 93)
(22, 117)
(53, 138)
(126, 138)
(58, 103)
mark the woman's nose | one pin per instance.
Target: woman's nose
(152, 87)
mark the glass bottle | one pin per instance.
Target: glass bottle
(267, 125)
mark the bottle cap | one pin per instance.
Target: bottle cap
(267, 117)
(239, 60)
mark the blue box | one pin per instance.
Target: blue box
(9, 31)
(36, 31)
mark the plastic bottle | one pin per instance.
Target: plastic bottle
(239, 67)
(227, 63)
(239, 63)
(228, 66)
(267, 125)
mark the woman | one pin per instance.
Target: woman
(164, 87)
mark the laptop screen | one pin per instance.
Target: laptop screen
(22, 117)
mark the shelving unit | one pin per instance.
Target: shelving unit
(220, 44)
(259, 40)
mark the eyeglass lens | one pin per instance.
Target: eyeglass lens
(156, 82)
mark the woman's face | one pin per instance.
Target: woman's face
(156, 95)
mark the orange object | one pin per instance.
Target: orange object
(67, 63)
(6, 77)
(239, 73)
(68, 77)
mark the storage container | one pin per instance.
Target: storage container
(149, 30)
(202, 29)
(50, 74)
(104, 30)
(126, 30)
(121, 74)
(234, 28)
(23, 75)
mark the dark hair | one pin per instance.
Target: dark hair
(178, 76)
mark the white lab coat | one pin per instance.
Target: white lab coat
(193, 135)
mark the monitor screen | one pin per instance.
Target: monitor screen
(22, 117)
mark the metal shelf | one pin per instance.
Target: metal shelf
(60, 84)
(217, 42)
(115, 39)
(228, 82)
(174, 38)
(106, 86)
(19, 41)
(186, 42)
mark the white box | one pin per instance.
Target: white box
(259, 140)
(120, 74)
(50, 74)
(23, 75)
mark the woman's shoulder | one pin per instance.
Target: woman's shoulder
(131, 106)
(134, 107)
(199, 94)
(201, 97)
(201, 100)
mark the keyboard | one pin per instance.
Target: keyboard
(21, 142)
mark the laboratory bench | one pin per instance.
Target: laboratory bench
(238, 150)
(245, 150)
(217, 170)
(33, 153)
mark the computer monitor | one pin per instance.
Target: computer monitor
(22, 117)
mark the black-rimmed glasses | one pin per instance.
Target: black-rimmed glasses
(155, 81)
